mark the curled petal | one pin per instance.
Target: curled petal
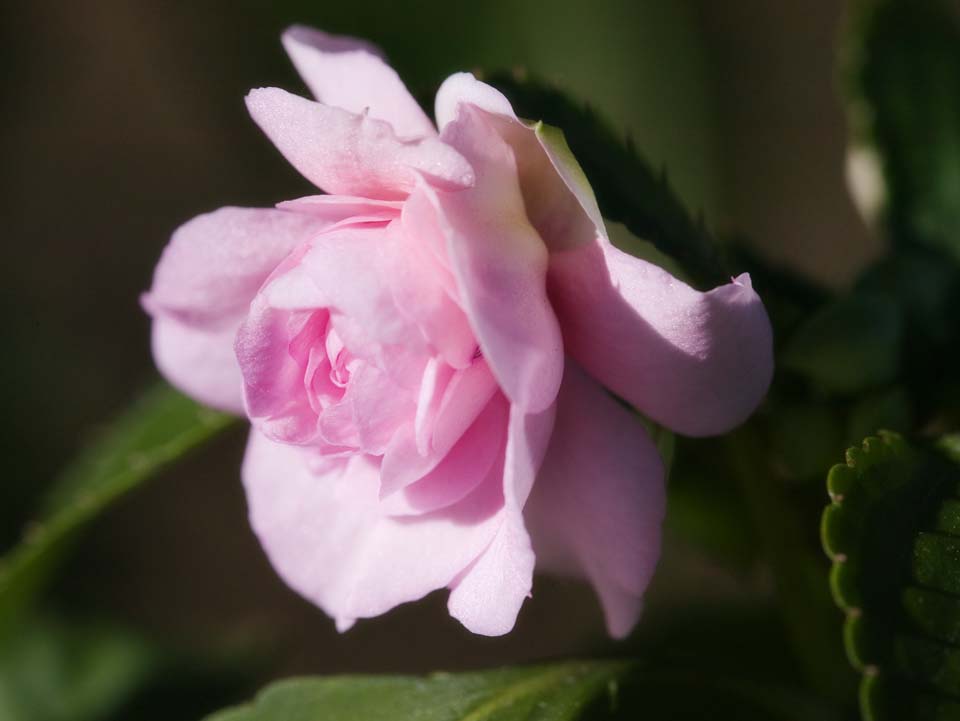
(599, 502)
(348, 154)
(558, 198)
(465, 88)
(698, 363)
(272, 379)
(351, 74)
(499, 263)
(321, 526)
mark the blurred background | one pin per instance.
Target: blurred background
(123, 119)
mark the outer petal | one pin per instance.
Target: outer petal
(325, 534)
(202, 287)
(348, 154)
(599, 500)
(499, 262)
(200, 362)
(698, 363)
(487, 597)
(558, 197)
(352, 75)
(465, 88)
(214, 263)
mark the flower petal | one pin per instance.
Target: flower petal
(698, 363)
(340, 208)
(559, 200)
(351, 74)
(599, 501)
(499, 262)
(465, 88)
(348, 154)
(202, 287)
(424, 288)
(462, 469)
(321, 526)
(349, 271)
(199, 362)
(487, 597)
(272, 380)
(214, 263)
(464, 397)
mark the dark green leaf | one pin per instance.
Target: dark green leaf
(888, 410)
(892, 533)
(850, 345)
(903, 80)
(927, 286)
(628, 189)
(160, 427)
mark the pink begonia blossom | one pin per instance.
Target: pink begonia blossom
(425, 352)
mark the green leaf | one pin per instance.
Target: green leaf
(628, 189)
(572, 691)
(902, 74)
(544, 693)
(850, 345)
(157, 430)
(927, 286)
(893, 534)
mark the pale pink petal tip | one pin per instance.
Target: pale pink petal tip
(353, 75)
(346, 153)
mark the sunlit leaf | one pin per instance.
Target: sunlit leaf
(573, 691)
(547, 693)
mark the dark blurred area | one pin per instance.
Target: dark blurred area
(123, 119)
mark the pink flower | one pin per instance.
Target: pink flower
(423, 352)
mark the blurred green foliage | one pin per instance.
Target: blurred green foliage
(158, 429)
